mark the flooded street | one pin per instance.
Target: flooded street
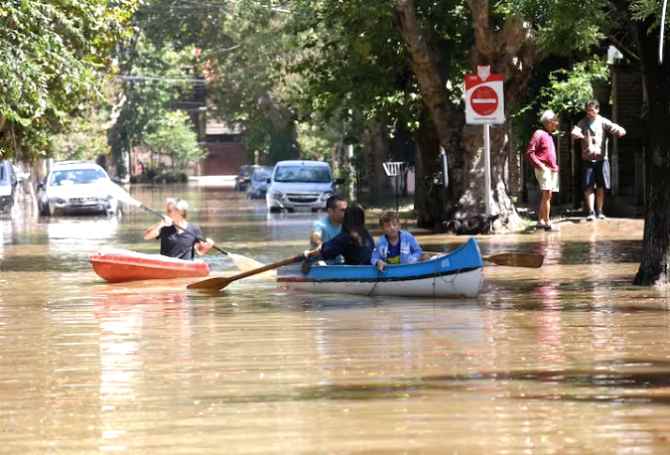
(569, 358)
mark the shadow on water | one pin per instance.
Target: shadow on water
(45, 263)
(622, 386)
(571, 252)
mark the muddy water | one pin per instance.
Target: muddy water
(566, 359)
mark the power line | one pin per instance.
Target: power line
(174, 80)
(224, 6)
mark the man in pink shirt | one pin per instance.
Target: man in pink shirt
(542, 155)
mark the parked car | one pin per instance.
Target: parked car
(244, 176)
(8, 182)
(300, 184)
(258, 184)
(76, 187)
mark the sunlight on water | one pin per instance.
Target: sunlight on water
(569, 358)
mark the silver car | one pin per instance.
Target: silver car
(300, 185)
(76, 187)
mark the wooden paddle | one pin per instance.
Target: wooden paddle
(242, 262)
(528, 260)
(219, 283)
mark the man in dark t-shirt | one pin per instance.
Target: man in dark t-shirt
(179, 239)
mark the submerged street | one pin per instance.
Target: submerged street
(569, 358)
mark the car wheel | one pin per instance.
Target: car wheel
(53, 211)
(275, 210)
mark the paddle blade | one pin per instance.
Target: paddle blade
(122, 195)
(529, 260)
(244, 263)
(221, 282)
(210, 284)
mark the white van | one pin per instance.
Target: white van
(300, 184)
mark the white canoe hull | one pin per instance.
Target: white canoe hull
(464, 284)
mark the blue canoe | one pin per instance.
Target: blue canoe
(454, 274)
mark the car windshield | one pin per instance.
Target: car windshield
(303, 174)
(76, 176)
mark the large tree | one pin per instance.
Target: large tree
(512, 37)
(655, 263)
(428, 46)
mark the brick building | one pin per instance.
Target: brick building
(225, 151)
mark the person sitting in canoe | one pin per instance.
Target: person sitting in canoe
(354, 243)
(329, 226)
(396, 246)
(179, 238)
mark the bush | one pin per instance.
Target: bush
(163, 176)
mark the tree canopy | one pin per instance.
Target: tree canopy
(54, 56)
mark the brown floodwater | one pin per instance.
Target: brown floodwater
(569, 358)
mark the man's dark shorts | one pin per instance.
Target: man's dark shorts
(596, 174)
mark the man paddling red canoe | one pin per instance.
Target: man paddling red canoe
(179, 238)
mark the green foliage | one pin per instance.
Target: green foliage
(244, 48)
(85, 139)
(644, 9)
(53, 57)
(569, 90)
(152, 82)
(318, 139)
(351, 59)
(562, 27)
(173, 135)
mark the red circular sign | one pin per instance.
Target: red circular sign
(484, 100)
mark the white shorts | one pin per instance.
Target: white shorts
(547, 179)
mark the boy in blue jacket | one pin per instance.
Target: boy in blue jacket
(395, 246)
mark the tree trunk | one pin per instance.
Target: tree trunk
(425, 66)
(472, 200)
(438, 122)
(656, 243)
(510, 51)
(429, 197)
(375, 142)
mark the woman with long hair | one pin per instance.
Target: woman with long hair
(354, 243)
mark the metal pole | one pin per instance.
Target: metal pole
(445, 168)
(660, 41)
(487, 169)
(397, 205)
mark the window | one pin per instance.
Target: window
(76, 176)
(303, 174)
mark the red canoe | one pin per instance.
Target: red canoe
(117, 266)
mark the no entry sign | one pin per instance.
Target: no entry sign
(484, 97)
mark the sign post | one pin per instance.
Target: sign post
(487, 169)
(484, 105)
